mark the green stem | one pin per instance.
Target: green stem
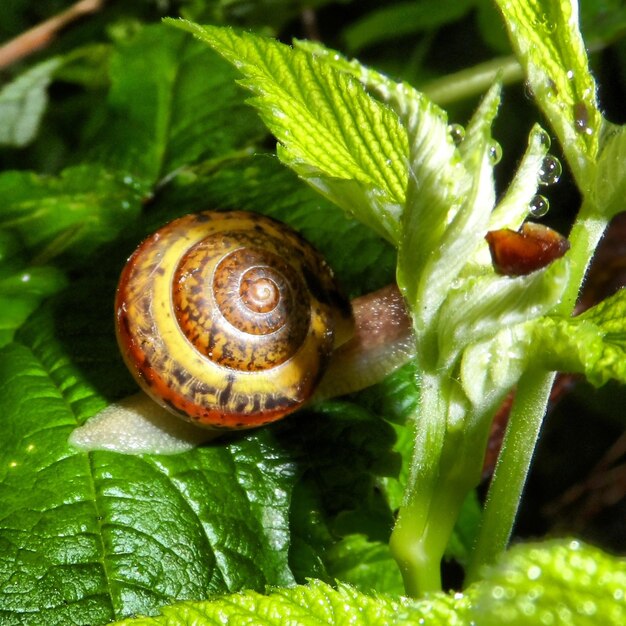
(435, 493)
(528, 411)
(505, 492)
(417, 562)
(584, 237)
(473, 81)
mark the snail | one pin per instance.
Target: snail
(231, 320)
(228, 320)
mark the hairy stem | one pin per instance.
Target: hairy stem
(529, 409)
(505, 492)
(441, 476)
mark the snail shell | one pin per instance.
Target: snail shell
(228, 319)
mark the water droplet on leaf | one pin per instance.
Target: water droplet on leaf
(544, 138)
(550, 171)
(538, 206)
(495, 152)
(528, 91)
(581, 119)
(457, 132)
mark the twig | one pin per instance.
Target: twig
(41, 35)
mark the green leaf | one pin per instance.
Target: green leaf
(73, 213)
(512, 209)
(593, 343)
(482, 306)
(449, 201)
(558, 582)
(220, 517)
(340, 514)
(547, 41)
(23, 103)
(403, 18)
(347, 145)
(22, 292)
(315, 603)
(610, 185)
(95, 537)
(22, 286)
(171, 103)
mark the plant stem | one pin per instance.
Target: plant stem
(437, 486)
(473, 81)
(505, 491)
(419, 566)
(529, 408)
(584, 237)
(41, 35)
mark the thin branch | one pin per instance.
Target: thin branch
(41, 35)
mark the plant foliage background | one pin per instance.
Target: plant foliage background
(123, 123)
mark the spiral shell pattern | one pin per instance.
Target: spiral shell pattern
(228, 319)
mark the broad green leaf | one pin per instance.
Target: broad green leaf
(219, 517)
(51, 568)
(411, 106)
(22, 286)
(93, 537)
(403, 18)
(339, 139)
(312, 604)
(558, 582)
(171, 103)
(23, 103)
(365, 564)
(593, 343)
(547, 41)
(340, 515)
(73, 214)
(22, 292)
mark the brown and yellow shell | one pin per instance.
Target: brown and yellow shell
(228, 319)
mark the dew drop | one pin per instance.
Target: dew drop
(538, 206)
(528, 91)
(550, 171)
(495, 152)
(534, 572)
(457, 132)
(544, 138)
(581, 119)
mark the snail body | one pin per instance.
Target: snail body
(228, 319)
